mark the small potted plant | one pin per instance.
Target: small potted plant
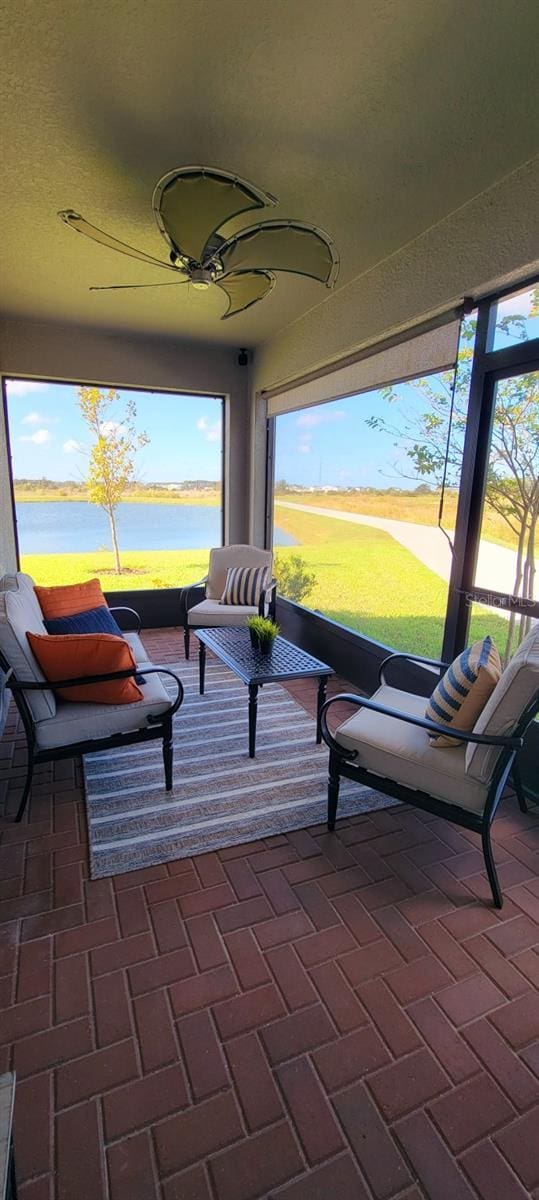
(262, 632)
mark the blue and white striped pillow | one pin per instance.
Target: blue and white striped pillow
(244, 585)
(461, 695)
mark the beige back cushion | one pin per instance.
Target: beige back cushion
(20, 614)
(517, 687)
(233, 556)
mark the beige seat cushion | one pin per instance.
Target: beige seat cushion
(82, 722)
(401, 752)
(211, 613)
(223, 557)
(20, 614)
(516, 689)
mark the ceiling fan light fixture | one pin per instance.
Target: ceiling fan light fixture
(201, 278)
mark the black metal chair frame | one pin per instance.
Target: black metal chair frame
(194, 593)
(158, 726)
(341, 763)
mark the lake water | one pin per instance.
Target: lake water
(74, 526)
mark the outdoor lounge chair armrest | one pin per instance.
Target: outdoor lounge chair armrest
(267, 596)
(175, 705)
(459, 735)
(122, 609)
(105, 678)
(48, 684)
(417, 658)
(186, 600)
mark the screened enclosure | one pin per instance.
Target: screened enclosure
(409, 481)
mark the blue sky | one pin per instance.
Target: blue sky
(329, 444)
(332, 445)
(49, 437)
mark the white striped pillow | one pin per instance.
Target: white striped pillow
(461, 695)
(244, 585)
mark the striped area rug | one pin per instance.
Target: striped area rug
(221, 797)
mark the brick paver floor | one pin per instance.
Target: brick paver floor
(312, 1017)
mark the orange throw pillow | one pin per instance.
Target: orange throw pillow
(70, 655)
(70, 599)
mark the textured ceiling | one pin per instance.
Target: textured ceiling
(371, 118)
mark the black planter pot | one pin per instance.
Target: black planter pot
(264, 647)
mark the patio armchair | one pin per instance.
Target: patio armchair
(201, 601)
(386, 745)
(56, 728)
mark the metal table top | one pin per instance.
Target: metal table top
(284, 660)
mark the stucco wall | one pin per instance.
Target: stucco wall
(489, 241)
(83, 355)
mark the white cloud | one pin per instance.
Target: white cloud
(109, 427)
(212, 433)
(320, 416)
(72, 446)
(25, 387)
(40, 438)
(34, 418)
(304, 444)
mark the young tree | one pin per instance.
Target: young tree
(512, 486)
(111, 458)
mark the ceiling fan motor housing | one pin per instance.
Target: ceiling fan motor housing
(201, 277)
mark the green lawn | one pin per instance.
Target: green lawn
(142, 568)
(363, 579)
(367, 581)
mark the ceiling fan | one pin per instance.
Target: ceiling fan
(190, 205)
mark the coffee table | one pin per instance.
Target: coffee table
(284, 661)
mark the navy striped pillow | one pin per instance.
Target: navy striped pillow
(461, 695)
(244, 585)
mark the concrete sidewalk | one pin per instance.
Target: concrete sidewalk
(496, 565)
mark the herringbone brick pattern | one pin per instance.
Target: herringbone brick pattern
(306, 1018)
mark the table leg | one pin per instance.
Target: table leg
(201, 667)
(12, 1180)
(322, 684)
(253, 708)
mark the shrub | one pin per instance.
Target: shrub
(293, 580)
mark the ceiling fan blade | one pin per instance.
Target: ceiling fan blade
(122, 287)
(244, 289)
(75, 221)
(282, 246)
(191, 203)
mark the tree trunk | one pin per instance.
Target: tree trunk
(531, 556)
(114, 537)
(516, 592)
(529, 574)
